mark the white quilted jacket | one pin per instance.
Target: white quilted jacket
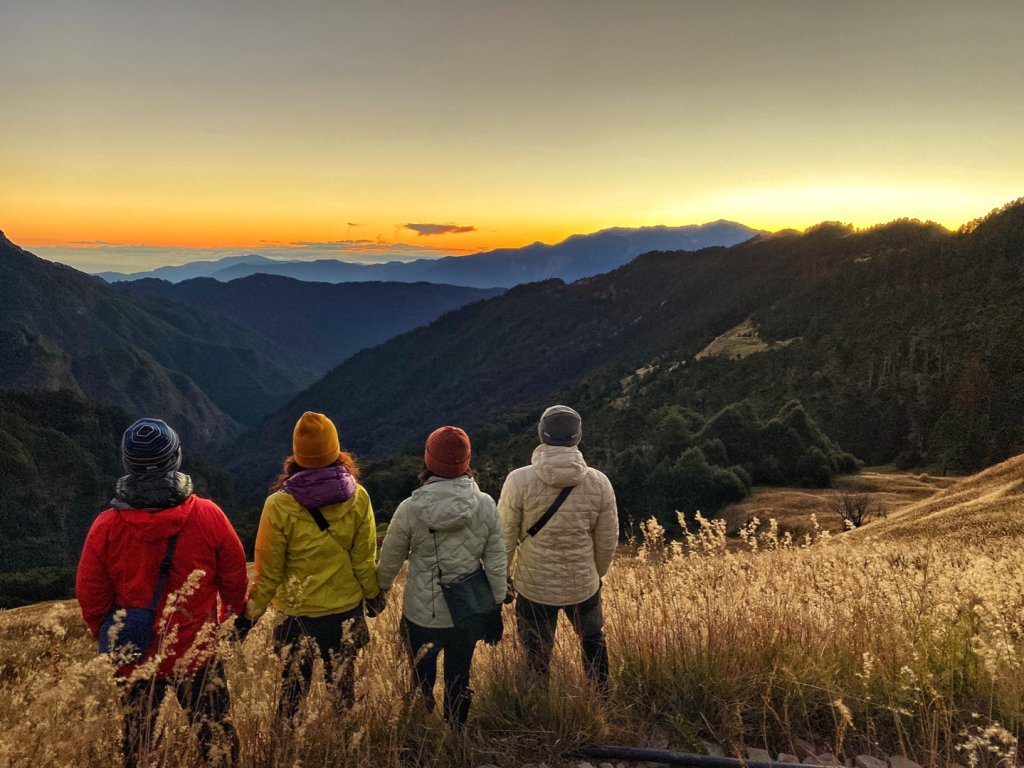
(564, 563)
(448, 524)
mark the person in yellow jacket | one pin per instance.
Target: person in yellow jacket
(316, 561)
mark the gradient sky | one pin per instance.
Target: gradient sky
(135, 133)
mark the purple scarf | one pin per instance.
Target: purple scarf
(320, 487)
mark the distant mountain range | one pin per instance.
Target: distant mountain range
(316, 325)
(576, 257)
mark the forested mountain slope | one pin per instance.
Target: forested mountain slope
(903, 344)
(62, 329)
(317, 324)
(59, 458)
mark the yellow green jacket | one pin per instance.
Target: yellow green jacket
(304, 571)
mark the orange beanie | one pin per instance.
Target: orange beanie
(447, 452)
(315, 441)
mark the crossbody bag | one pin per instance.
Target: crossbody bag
(127, 632)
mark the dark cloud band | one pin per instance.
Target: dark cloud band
(439, 229)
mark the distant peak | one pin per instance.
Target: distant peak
(5, 241)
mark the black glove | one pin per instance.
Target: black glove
(376, 605)
(242, 626)
(494, 627)
(510, 595)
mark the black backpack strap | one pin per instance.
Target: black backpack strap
(562, 496)
(165, 569)
(318, 518)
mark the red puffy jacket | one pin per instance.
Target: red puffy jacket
(120, 566)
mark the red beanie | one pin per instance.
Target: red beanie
(447, 452)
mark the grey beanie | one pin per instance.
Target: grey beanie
(560, 425)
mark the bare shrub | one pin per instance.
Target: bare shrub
(855, 509)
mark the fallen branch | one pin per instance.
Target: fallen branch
(673, 758)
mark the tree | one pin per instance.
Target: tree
(855, 509)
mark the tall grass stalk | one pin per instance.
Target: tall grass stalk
(858, 645)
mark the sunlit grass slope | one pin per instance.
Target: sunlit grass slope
(904, 637)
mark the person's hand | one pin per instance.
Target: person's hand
(376, 605)
(494, 628)
(242, 626)
(510, 595)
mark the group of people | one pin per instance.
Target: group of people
(162, 553)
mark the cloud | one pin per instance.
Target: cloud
(438, 229)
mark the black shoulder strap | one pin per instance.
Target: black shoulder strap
(324, 526)
(562, 496)
(318, 518)
(165, 569)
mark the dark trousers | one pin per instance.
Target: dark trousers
(335, 638)
(424, 644)
(536, 624)
(204, 698)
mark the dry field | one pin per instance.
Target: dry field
(905, 636)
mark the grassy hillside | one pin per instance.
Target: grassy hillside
(904, 637)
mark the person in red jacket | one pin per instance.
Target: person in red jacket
(120, 568)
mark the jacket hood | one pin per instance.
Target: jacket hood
(447, 504)
(558, 465)
(320, 487)
(149, 525)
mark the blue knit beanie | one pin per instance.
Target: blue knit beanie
(149, 445)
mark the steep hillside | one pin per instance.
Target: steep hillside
(576, 257)
(904, 344)
(982, 507)
(318, 324)
(62, 329)
(59, 458)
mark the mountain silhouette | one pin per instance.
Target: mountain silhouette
(577, 256)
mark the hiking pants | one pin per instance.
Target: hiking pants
(335, 638)
(536, 624)
(424, 644)
(204, 698)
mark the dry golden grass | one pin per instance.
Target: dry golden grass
(906, 636)
(793, 508)
(739, 342)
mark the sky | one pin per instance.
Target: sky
(136, 133)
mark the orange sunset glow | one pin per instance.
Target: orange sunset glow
(142, 135)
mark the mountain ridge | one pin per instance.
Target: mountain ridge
(576, 256)
(63, 329)
(317, 325)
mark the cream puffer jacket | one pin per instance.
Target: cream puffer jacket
(448, 525)
(564, 563)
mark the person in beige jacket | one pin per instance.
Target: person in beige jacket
(560, 566)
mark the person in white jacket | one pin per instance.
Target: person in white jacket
(560, 566)
(447, 528)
